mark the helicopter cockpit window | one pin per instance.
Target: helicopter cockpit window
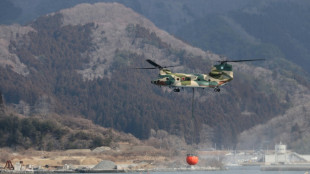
(215, 74)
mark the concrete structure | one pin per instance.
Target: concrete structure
(105, 165)
(280, 148)
(282, 156)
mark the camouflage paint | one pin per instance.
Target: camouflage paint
(219, 76)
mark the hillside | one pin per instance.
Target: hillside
(291, 128)
(276, 28)
(55, 132)
(77, 62)
(53, 141)
(256, 29)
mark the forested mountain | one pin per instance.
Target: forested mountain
(244, 28)
(55, 132)
(77, 61)
(260, 29)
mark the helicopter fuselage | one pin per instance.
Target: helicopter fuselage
(219, 75)
(181, 80)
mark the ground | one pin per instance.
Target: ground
(137, 157)
(127, 156)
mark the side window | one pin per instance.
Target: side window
(186, 79)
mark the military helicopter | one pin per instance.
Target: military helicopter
(219, 75)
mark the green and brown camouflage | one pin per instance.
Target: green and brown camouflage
(219, 76)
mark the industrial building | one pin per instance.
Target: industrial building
(283, 156)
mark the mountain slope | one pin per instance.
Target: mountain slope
(77, 61)
(273, 30)
(259, 29)
(291, 128)
(278, 28)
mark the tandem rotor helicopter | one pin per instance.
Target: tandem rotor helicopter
(219, 75)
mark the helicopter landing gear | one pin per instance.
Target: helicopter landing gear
(217, 89)
(176, 90)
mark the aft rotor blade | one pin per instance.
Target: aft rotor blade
(246, 60)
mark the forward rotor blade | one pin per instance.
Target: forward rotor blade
(154, 64)
(144, 68)
(171, 66)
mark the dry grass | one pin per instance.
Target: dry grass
(5, 155)
(84, 158)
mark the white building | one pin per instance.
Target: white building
(282, 156)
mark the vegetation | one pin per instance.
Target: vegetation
(277, 31)
(48, 134)
(126, 101)
(253, 33)
(214, 33)
(136, 31)
(289, 33)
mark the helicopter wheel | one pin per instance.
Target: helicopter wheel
(217, 89)
(176, 90)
